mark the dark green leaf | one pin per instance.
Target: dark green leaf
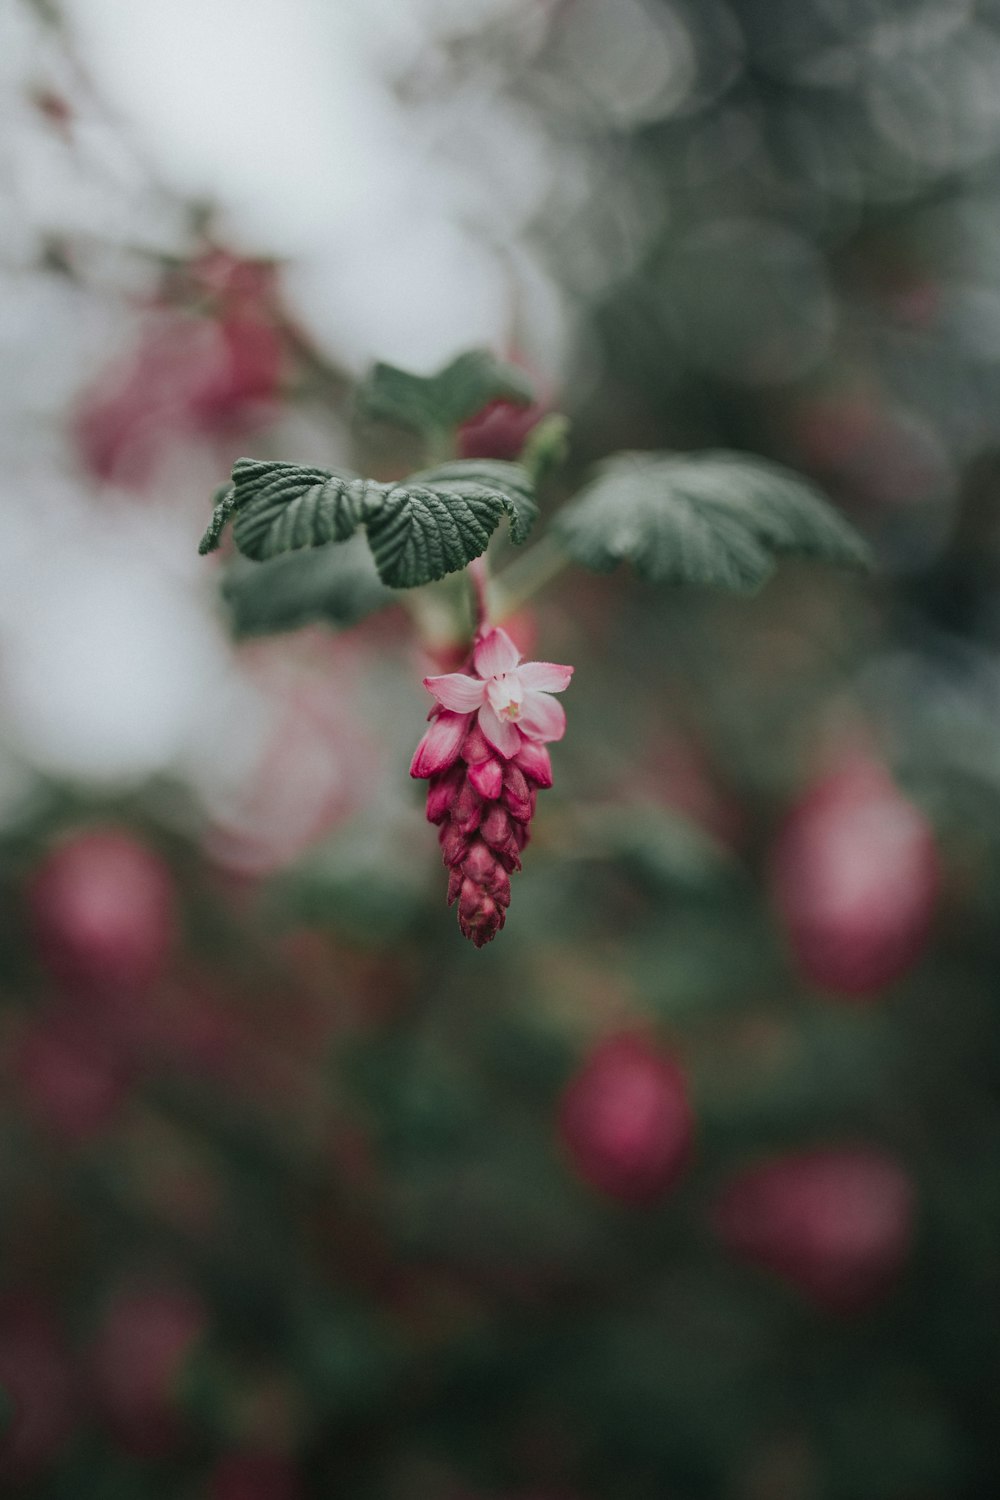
(711, 518)
(336, 584)
(281, 507)
(224, 503)
(428, 525)
(511, 483)
(432, 403)
(422, 533)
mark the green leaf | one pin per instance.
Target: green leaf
(710, 518)
(281, 507)
(430, 524)
(430, 403)
(338, 585)
(224, 503)
(547, 447)
(510, 483)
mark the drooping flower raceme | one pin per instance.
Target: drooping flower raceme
(485, 757)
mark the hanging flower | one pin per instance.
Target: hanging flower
(485, 758)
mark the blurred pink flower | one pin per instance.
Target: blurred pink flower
(103, 910)
(854, 876)
(836, 1222)
(625, 1119)
(209, 360)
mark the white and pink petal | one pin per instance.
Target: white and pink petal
(503, 692)
(495, 654)
(544, 676)
(542, 718)
(501, 733)
(456, 691)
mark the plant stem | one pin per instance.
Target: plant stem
(479, 582)
(522, 579)
(434, 615)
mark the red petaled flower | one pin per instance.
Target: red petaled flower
(484, 755)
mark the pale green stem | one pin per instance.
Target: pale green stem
(522, 579)
(433, 613)
(439, 446)
(480, 584)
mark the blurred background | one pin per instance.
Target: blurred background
(686, 1186)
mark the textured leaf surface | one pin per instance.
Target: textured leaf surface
(281, 507)
(223, 505)
(427, 529)
(338, 585)
(428, 525)
(429, 403)
(710, 518)
(510, 483)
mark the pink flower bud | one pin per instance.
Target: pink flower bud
(454, 844)
(480, 863)
(470, 899)
(535, 761)
(499, 430)
(482, 866)
(479, 916)
(496, 828)
(516, 797)
(475, 747)
(440, 745)
(487, 778)
(468, 810)
(442, 793)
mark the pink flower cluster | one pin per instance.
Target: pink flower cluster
(485, 757)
